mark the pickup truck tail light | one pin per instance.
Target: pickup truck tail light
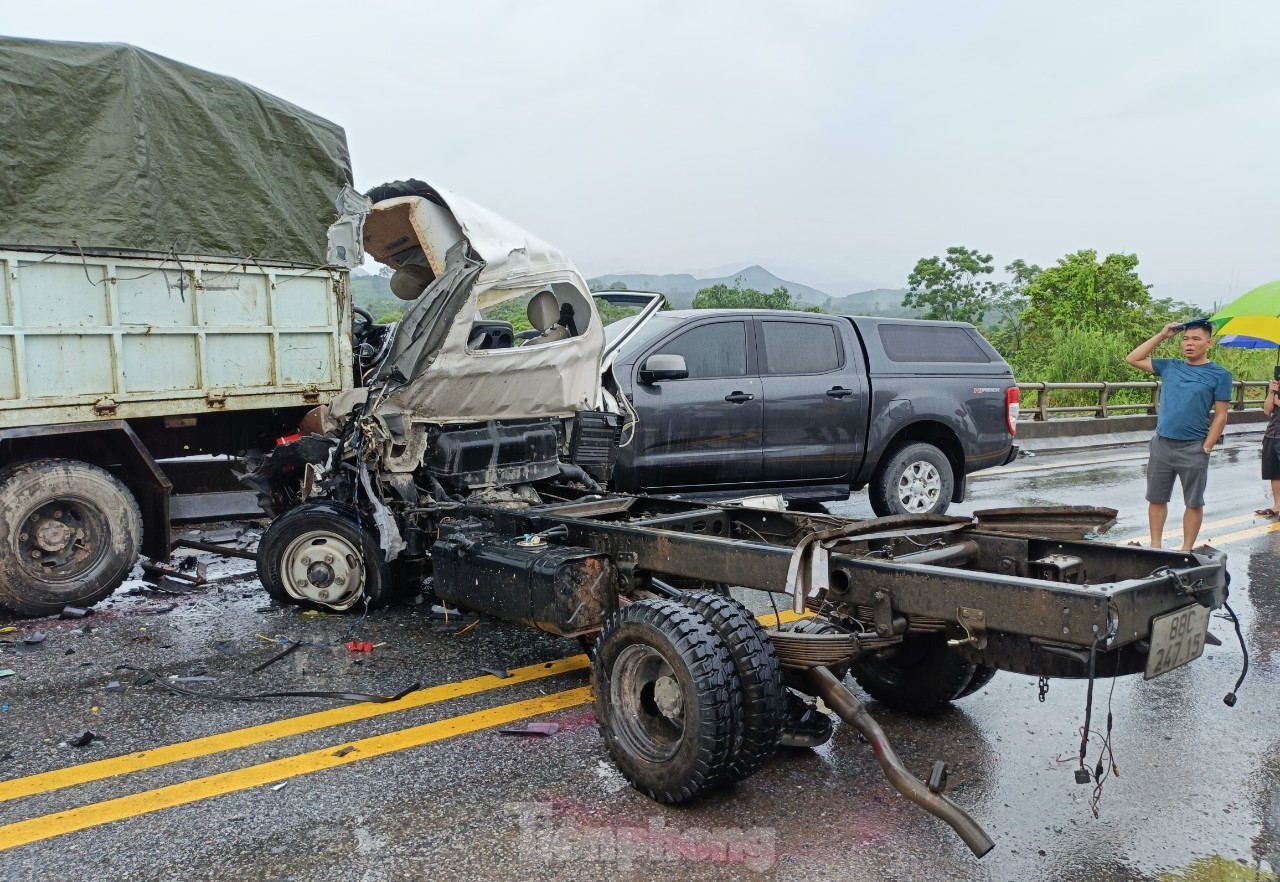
(1012, 407)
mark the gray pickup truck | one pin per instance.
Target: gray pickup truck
(812, 406)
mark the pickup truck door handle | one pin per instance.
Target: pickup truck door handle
(839, 392)
(738, 397)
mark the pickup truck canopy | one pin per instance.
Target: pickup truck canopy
(112, 147)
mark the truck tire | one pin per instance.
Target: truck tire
(317, 556)
(667, 699)
(921, 675)
(915, 478)
(981, 677)
(69, 534)
(759, 675)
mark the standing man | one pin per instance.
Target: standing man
(1193, 387)
(1271, 448)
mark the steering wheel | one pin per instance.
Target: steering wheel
(362, 325)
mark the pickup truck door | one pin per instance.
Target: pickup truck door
(705, 430)
(815, 399)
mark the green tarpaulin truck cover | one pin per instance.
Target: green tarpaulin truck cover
(112, 147)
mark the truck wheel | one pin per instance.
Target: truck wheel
(981, 677)
(666, 699)
(915, 478)
(921, 675)
(69, 534)
(317, 557)
(759, 675)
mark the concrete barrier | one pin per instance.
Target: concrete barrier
(1067, 434)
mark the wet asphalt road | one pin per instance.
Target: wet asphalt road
(430, 789)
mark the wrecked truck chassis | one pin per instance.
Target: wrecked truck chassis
(1042, 606)
(1000, 615)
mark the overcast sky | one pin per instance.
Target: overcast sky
(833, 143)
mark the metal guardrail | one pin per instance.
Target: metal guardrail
(1044, 411)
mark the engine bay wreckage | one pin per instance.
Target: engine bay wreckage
(479, 457)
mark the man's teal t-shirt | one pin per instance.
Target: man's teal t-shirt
(1187, 396)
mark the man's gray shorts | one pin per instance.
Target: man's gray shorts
(1184, 460)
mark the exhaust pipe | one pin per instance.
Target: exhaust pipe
(852, 711)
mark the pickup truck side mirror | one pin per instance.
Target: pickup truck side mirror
(657, 368)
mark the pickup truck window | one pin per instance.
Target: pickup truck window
(800, 348)
(930, 343)
(714, 350)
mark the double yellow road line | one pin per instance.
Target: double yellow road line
(343, 753)
(333, 756)
(1221, 539)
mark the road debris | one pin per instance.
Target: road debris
(541, 730)
(344, 751)
(170, 684)
(500, 673)
(73, 612)
(84, 739)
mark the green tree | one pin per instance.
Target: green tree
(1003, 324)
(950, 287)
(724, 296)
(1081, 291)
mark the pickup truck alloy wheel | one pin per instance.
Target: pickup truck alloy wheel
(921, 675)
(916, 478)
(69, 534)
(759, 675)
(317, 556)
(667, 699)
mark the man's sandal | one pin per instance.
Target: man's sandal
(1266, 512)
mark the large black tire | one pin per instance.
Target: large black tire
(69, 534)
(914, 478)
(317, 556)
(759, 675)
(981, 677)
(667, 699)
(921, 675)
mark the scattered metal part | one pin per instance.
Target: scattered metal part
(344, 751)
(154, 573)
(852, 711)
(261, 696)
(114, 686)
(500, 673)
(35, 638)
(1057, 521)
(73, 612)
(541, 730)
(275, 658)
(6, 673)
(215, 548)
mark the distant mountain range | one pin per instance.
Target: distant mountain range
(374, 293)
(680, 289)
